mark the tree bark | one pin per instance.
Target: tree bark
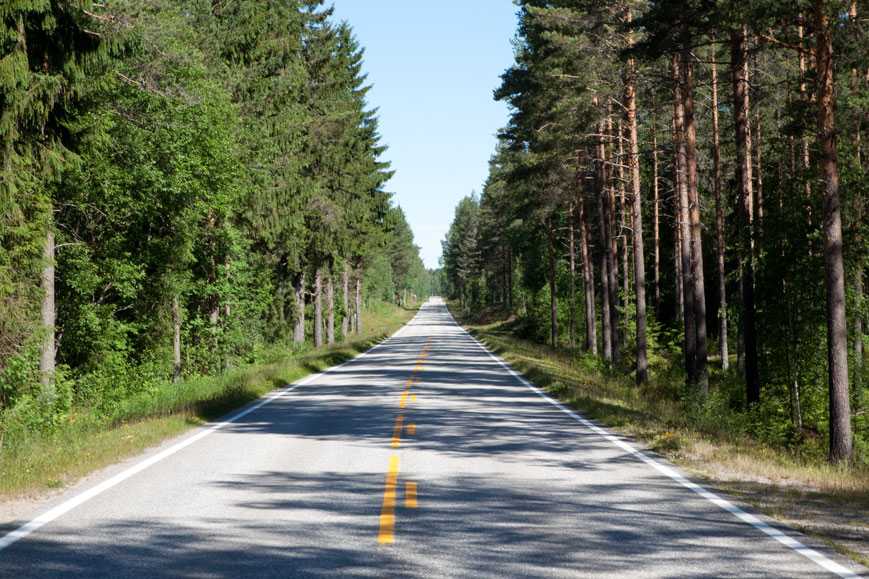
(719, 220)
(571, 251)
(318, 308)
(739, 69)
(330, 307)
(299, 325)
(176, 339)
(678, 177)
(612, 246)
(637, 219)
(656, 193)
(359, 299)
(689, 324)
(510, 276)
(47, 350)
(345, 296)
(605, 247)
(623, 217)
(552, 299)
(834, 269)
(701, 377)
(587, 274)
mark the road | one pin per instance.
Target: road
(425, 457)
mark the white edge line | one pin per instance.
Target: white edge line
(724, 504)
(63, 508)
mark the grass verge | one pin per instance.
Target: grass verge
(799, 488)
(87, 441)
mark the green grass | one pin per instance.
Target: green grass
(36, 463)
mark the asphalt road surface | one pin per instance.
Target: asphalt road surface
(425, 457)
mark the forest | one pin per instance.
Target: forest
(681, 191)
(185, 184)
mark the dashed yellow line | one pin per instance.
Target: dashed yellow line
(396, 433)
(387, 513)
(411, 429)
(403, 399)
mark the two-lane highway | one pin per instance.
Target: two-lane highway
(425, 457)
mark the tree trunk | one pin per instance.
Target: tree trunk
(330, 307)
(699, 284)
(719, 220)
(571, 251)
(587, 275)
(612, 247)
(318, 308)
(739, 68)
(623, 225)
(176, 339)
(758, 150)
(345, 296)
(504, 274)
(656, 192)
(685, 235)
(510, 277)
(678, 177)
(552, 300)
(605, 248)
(299, 325)
(359, 299)
(47, 350)
(834, 269)
(637, 219)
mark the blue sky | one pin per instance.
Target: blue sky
(433, 66)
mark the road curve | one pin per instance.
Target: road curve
(425, 457)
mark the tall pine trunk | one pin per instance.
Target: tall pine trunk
(330, 308)
(656, 194)
(834, 268)
(587, 274)
(605, 247)
(318, 308)
(701, 377)
(689, 324)
(719, 220)
(299, 293)
(739, 70)
(552, 299)
(623, 218)
(345, 296)
(571, 252)
(678, 177)
(359, 299)
(637, 219)
(176, 339)
(612, 245)
(47, 350)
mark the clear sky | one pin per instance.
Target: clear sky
(433, 66)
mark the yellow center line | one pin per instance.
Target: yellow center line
(396, 434)
(409, 382)
(387, 513)
(411, 429)
(403, 399)
(413, 397)
(410, 495)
